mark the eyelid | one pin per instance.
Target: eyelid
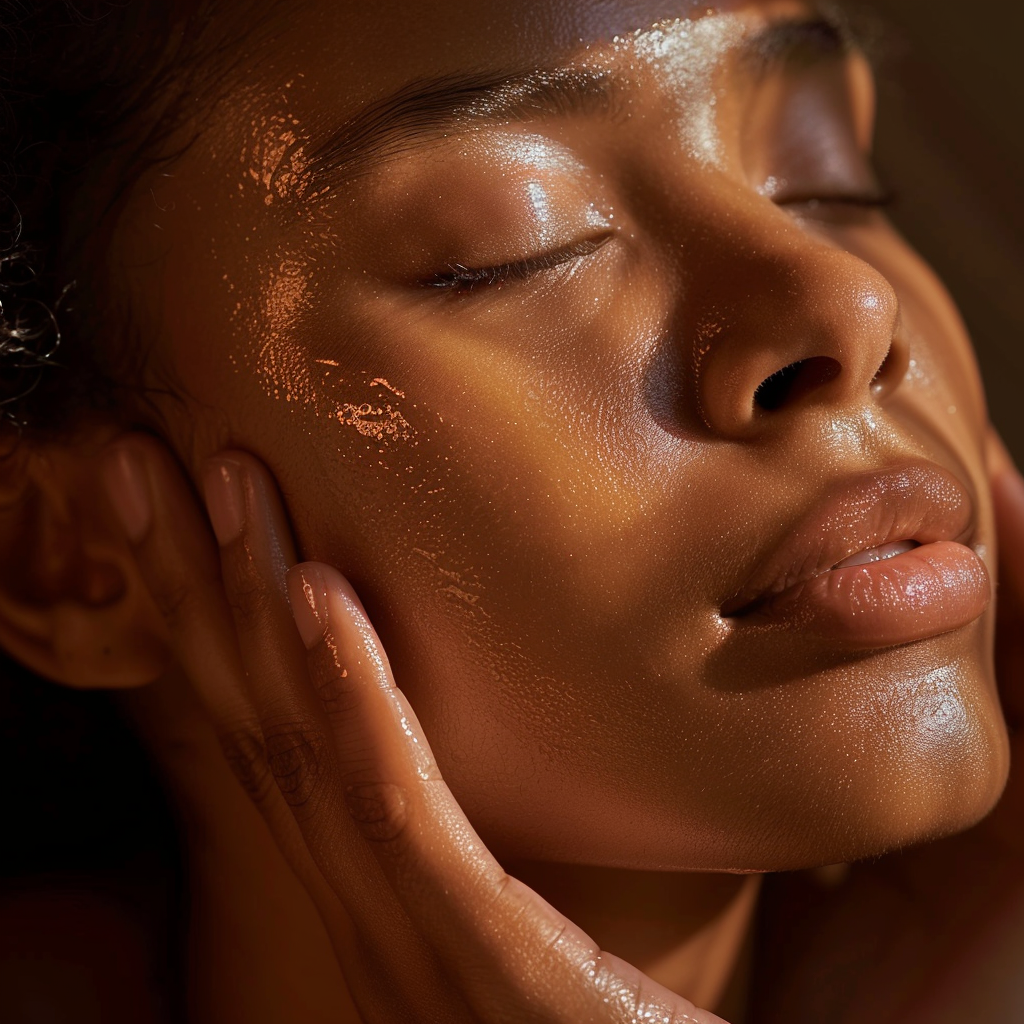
(866, 189)
(839, 208)
(462, 278)
(878, 199)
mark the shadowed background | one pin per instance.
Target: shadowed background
(951, 143)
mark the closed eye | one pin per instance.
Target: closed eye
(838, 208)
(866, 200)
(462, 280)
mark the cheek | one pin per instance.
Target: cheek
(497, 501)
(498, 489)
(943, 376)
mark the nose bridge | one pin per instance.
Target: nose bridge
(776, 318)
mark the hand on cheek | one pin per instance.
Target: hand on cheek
(425, 922)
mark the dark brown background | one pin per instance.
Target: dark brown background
(951, 143)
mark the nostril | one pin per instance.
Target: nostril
(773, 390)
(892, 370)
(793, 381)
(881, 372)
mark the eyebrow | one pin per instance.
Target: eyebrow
(429, 109)
(426, 110)
(799, 42)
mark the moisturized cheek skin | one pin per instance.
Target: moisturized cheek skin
(383, 460)
(361, 425)
(378, 419)
(281, 364)
(272, 343)
(367, 405)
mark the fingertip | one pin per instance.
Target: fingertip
(225, 498)
(325, 605)
(128, 490)
(243, 497)
(334, 582)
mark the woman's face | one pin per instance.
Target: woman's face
(495, 295)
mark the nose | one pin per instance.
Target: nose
(780, 319)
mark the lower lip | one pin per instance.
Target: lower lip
(929, 590)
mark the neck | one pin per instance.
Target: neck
(685, 930)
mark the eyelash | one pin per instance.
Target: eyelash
(460, 280)
(853, 200)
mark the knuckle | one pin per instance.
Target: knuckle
(333, 685)
(553, 942)
(295, 759)
(246, 753)
(249, 600)
(679, 1016)
(380, 810)
(500, 891)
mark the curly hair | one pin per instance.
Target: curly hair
(89, 91)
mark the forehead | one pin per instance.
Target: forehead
(364, 49)
(320, 69)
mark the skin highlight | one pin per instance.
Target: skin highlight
(509, 375)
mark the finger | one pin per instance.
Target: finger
(514, 955)
(179, 562)
(290, 747)
(256, 550)
(177, 559)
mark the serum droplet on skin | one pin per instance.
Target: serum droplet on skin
(381, 422)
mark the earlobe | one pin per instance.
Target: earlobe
(72, 606)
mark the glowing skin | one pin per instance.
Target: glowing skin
(546, 488)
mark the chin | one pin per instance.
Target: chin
(807, 763)
(932, 760)
(905, 747)
(910, 800)
(937, 796)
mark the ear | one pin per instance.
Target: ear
(73, 607)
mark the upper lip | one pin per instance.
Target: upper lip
(917, 501)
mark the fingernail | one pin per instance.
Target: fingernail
(307, 592)
(225, 499)
(124, 477)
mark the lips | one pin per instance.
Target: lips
(882, 560)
